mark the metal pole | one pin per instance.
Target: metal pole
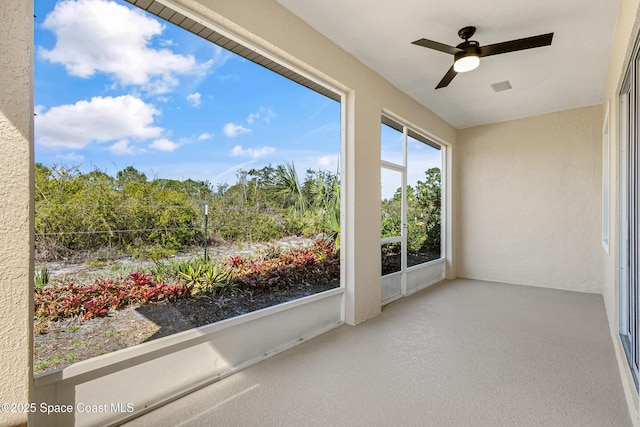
(206, 237)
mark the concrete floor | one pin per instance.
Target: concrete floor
(462, 353)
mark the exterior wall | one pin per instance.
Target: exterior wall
(627, 29)
(279, 32)
(529, 200)
(16, 236)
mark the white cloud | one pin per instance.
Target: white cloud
(194, 99)
(102, 36)
(233, 129)
(251, 152)
(71, 157)
(100, 119)
(252, 117)
(121, 148)
(163, 144)
(204, 136)
(264, 113)
(329, 160)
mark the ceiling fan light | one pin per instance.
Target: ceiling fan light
(466, 63)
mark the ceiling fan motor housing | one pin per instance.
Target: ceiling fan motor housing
(470, 47)
(468, 58)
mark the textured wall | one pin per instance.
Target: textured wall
(16, 118)
(530, 200)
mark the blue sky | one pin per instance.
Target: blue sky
(420, 158)
(116, 86)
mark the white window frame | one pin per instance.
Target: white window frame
(417, 277)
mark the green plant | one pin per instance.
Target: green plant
(192, 275)
(215, 281)
(94, 263)
(153, 253)
(71, 357)
(42, 278)
(119, 269)
(334, 226)
(118, 336)
(41, 365)
(165, 270)
(78, 211)
(206, 277)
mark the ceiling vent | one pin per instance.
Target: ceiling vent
(499, 87)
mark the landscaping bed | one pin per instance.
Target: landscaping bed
(76, 322)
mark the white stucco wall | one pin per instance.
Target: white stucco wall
(529, 200)
(16, 237)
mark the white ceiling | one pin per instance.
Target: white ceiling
(568, 74)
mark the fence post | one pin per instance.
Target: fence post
(206, 218)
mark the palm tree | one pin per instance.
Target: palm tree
(324, 190)
(287, 188)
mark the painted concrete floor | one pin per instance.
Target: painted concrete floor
(462, 353)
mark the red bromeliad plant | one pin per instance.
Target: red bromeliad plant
(319, 263)
(103, 295)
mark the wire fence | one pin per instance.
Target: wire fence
(72, 239)
(62, 233)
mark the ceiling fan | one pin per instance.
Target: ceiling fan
(468, 53)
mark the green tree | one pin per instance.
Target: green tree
(87, 211)
(130, 174)
(427, 211)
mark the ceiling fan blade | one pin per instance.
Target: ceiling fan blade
(437, 46)
(515, 45)
(447, 78)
